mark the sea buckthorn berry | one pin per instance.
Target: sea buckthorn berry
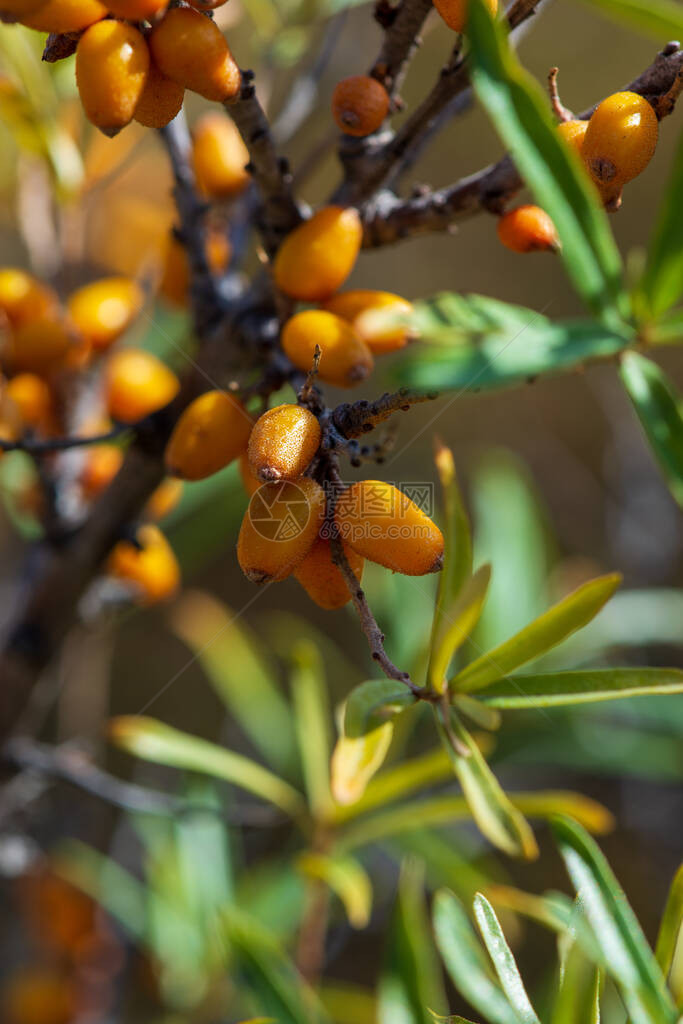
(219, 156)
(112, 64)
(210, 434)
(345, 360)
(250, 481)
(137, 384)
(283, 442)
(191, 50)
(152, 566)
(322, 579)
(100, 465)
(620, 139)
(573, 133)
(42, 345)
(164, 499)
(207, 5)
(359, 105)
(15, 10)
(103, 310)
(382, 524)
(279, 528)
(33, 399)
(65, 15)
(175, 279)
(375, 317)
(316, 258)
(38, 995)
(160, 100)
(527, 229)
(454, 12)
(23, 297)
(136, 10)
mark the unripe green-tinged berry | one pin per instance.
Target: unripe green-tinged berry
(375, 317)
(359, 105)
(112, 63)
(345, 358)
(283, 443)
(210, 434)
(620, 139)
(279, 528)
(190, 48)
(322, 579)
(382, 524)
(316, 258)
(527, 229)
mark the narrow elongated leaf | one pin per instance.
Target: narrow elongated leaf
(559, 622)
(480, 714)
(578, 997)
(672, 922)
(457, 620)
(657, 406)
(398, 781)
(153, 741)
(498, 819)
(520, 113)
(312, 717)
(466, 961)
(662, 283)
(347, 880)
(625, 950)
(587, 687)
(662, 19)
(503, 960)
(367, 732)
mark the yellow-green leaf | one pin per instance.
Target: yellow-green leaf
(457, 620)
(346, 878)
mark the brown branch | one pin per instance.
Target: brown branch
(35, 446)
(401, 40)
(358, 418)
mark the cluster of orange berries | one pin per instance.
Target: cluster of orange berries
(615, 145)
(135, 58)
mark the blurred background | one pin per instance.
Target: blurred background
(558, 479)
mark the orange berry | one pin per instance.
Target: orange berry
(42, 345)
(573, 133)
(105, 309)
(283, 442)
(160, 100)
(101, 464)
(620, 139)
(137, 384)
(316, 258)
(59, 915)
(23, 297)
(175, 280)
(250, 482)
(359, 105)
(16, 10)
(346, 359)
(191, 50)
(65, 15)
(527, 229)
(38, 995)
(373, 316)
(112, 64)
(207, 5)
(279, 528)
(322, 579)
(210, 434)
(153, 567)
(455, 12)
(381, 523)
(220, 156)
(164, 499)
(33, 398)
(136, 10)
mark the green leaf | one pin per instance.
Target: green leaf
(504, 350)
(578, 997)
(550, 629)
(588, 687)
(662, 19)
(668, 329)
(472, 708)
(153, 741)
(662, 283)
(657, 406)
(312, 718)
(410, 984)
(466, 961)
(624, 948)
(521, 115)
(347, 880)
(397, 781)
(235, 666)
(672, 922)
(503, 960)
(366, 735)
(457, 620)
(500, 822)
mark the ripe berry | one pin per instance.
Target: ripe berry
(190, 49)
(41, 345)
(279, 528)
(381, 523)
(359, 105)
(372, 315)
(164, 499)
(219, 156)
(317, 257)
(454, 12)
(620, 139)
(101, 464)
(23, 297)
(112, 63)
(65, 15)
(573, 133)
(283, 443)
(321, 578)
(103, 310)
(137, 384)
(136, 10)
(210, 434)
(527, 229)
(346, 359)
(175, 280)
(207, 5)
(38, 995)
(152, 567)
(33, 399)
(250, 482)
(160, 100)
(15, 10)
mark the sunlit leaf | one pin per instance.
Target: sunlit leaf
(587, 687)
(671, 925)
(503, 961)
(457, 619)
(662, 19)
(312, 718)
(398, 781)
(348, 1004)
(578, 997)
(346, 878)
(662, 284)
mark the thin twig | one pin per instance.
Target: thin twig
(358, 418)
(559, 110)
(35, 446)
